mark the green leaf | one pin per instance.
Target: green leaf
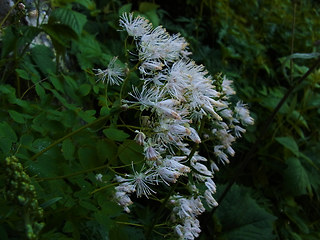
(88, 157)
(242, 218)
(60, 35)
(43, 57)
(130, 152)
(50, 202)
(84, 89)
(88, 115)
(87, 50)
(7, 137)
(74, 20)
(56, 82)
(296, 178)
(107, 149)
(17, 117)
(40, 91)
(68, 149)
(15, 38)
(290, 144)
(23, 74)
(147, 6)
(115, 134)
(125, 8)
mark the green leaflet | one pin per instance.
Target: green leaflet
(242, 218)
(296, 177)
(290, 144)
(70, 18)
(115, 134)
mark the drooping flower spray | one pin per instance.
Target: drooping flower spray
(181, 104)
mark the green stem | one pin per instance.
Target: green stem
(104, 187)
(126, 79)
(8, 14)
(69, 135)
(74, 174)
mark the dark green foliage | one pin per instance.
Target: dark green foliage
(56, 119)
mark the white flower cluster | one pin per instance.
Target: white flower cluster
(176, 98)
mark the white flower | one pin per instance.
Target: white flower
(113, 74)
(140, 137)
(173, 163)
(214, 167)
(243, 114)
(209, 199)
(210, 185)
(167, 174)
(238, 130)
(227, 87)
(220, 154)
(135, 27)
(151, 154)
(99, 177)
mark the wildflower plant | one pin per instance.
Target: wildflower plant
(180, 107)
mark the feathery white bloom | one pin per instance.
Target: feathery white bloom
(214, 167)
(99, 177)
(173, 163)
(238, 130)
(151, 153)
(243, 114)
(209, 199)
(210, 185)
(113, 74)
(227, 87)
(135, 27)
(220, 154)
(202, 169)
(167, 174)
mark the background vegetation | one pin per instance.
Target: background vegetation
(50, 103)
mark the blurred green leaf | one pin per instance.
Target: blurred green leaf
(73, 19)
(290, 144)
(242, 218)
(130, 152)
(296, 177)
(115, 134)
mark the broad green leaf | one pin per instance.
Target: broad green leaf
(130, 152)
(73, 19)
(88, 115)
(87, 50)
(16, 37)
(56, 82)
(17, 117)
(125, 8)
(106, 150)
(115, 134)
(84, 89)
(50, 202)
(242, 218)
(23, 74)
(88, 157)
(7, 137)
(89, 4)
(43, 57)
(26, 140)
(68, 149)
(40, 91)
(60, 35)
(147, 6)
(296, 178)
(290, 144)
